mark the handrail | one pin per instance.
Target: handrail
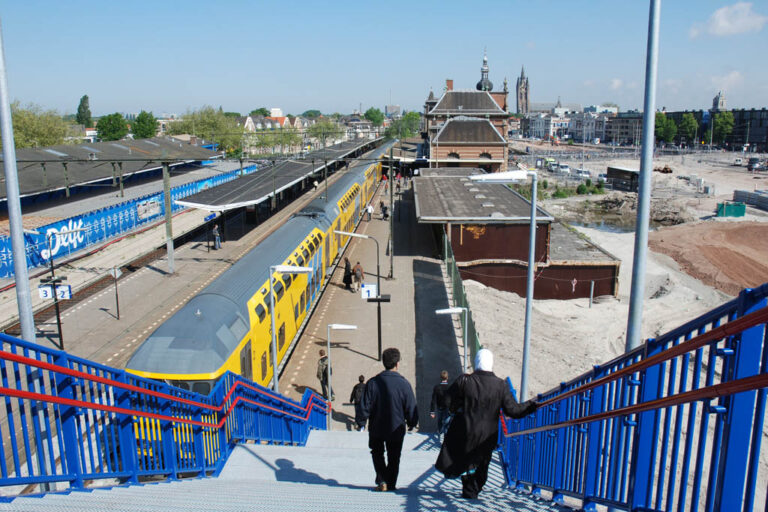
(728, 329)
(723, 389)
(130, 387)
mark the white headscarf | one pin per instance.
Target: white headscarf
(484, 360)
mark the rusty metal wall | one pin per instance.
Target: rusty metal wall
(497, 241)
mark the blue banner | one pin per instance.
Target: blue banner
(76, 233)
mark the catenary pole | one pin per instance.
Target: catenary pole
(168, 216)
(635, 317)
(21, 273)
(529, 290)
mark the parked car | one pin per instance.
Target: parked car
(602, 177)
(565, 169)
(583, 173)
(738, 161)
(754, 164)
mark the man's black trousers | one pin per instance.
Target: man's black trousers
(386, 472)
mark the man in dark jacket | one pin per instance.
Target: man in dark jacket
(440, 403)
(357, 398)
(389, 404)
(475, 401)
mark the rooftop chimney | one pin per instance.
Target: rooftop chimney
(448, 84)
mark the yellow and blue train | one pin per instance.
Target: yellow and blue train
(227, 326)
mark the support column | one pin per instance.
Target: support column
(168, 216)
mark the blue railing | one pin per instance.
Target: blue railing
(674, 425)
(67, 419)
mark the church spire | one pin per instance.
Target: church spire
(522, 72)
(484, 84)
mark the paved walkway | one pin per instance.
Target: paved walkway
(427, 342)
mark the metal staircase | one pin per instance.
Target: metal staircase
(332, 472)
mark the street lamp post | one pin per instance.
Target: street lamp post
(513, 177)
(333, 327)
(378, 281)
(280, 269)
(456, 311)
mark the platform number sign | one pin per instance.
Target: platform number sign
(368, 291)
(63, 291)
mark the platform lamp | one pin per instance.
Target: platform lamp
(378, 279)
(456, 311)
(515, 177)
(334, 327)
(279, 269)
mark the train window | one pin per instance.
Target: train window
(287, 279)
(295, 311)
(300, 261)
(278, 287)
(202, 386)
(312, 246)
(306, 253)
(281, 336)
(246, 366)
(264, 291)
(180, 384)
(264, 365)
(304, 300)
(261, 312)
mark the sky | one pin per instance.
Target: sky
(170, 56)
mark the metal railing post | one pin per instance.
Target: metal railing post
(68, 415)
(126, 432)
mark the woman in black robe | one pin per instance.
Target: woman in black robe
(347, 280)
(475, 402)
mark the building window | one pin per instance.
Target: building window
(454, 156)
(485, 155)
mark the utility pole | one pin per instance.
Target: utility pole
(168, 216)
(391, 179)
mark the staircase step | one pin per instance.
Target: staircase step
(342, 439)
(217, 496)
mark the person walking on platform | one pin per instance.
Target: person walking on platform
(475, 402)
(323, 372)
(347, 274)
(357, 276)
(440, 403)
(390, 405)
(216, 237)
(357, 399)
(369, 211)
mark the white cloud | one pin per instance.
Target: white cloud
(727, 82)
(738, 18)
(616, 83)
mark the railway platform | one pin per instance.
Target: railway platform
(428, 343)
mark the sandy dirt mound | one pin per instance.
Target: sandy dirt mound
(727, 256)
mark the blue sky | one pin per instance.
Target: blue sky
(170, 56)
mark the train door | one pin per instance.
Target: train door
(246, 363)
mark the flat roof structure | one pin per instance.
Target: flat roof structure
(448, 195)
(260, 185)
(60, 167)
(567, 247)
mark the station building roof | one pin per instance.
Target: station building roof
(468, 130)
(43, 169)
(467, 103)
(567, 247)
(448, 195)
(260, 185)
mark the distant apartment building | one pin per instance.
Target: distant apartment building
(547, 126)
(275, 112)
(601, 109)
(625, 128)
(392, 111)
(587, 126)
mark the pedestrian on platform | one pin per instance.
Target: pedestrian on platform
(357, 399)
(440, 403)
(369, 211)
(384, 210)
(390, 406)
(347, 275)
(475, 402)
(397, 187)
(323, 372)
(216, 237)
(357, 276)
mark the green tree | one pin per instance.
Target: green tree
(688, 127)
(406, 126)
(375, 116)
(325, 130)
(210, 124)
(232, 114)
(83, 116)
(145, 125)
(259, 112)
(665, 128)
(311, 114)
(35, 127)
(723, 126)
(112, 127)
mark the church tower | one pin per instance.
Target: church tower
(523, 94)
(484, 84)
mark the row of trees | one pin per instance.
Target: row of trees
(667, 130)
